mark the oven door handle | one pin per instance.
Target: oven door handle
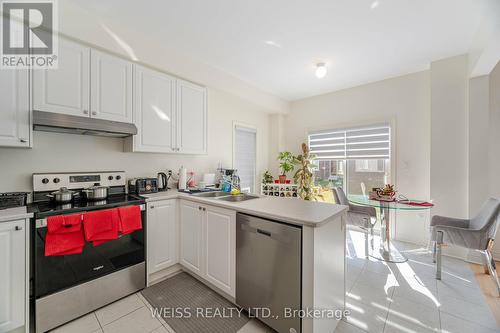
(42, 223)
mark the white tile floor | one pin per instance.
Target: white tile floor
(381, 297)
(407, 298)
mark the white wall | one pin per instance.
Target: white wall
(53, 152)
(494, 141)
(479, 138)
(449, 136)
(404, 101)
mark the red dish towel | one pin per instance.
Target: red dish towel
(130, 219)
(101, 226)
(64, 235)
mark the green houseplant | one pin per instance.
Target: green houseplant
(304, 175)
(267, 177)
(286, 164)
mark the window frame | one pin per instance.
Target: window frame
(250, 128)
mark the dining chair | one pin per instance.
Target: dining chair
(360, 216)
(477, 233)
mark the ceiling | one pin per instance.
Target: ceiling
(275, 44)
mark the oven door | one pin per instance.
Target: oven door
(56, 273)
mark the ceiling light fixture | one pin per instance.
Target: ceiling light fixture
(375, 4)
(320, 70)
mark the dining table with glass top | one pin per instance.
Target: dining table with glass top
(386, 252)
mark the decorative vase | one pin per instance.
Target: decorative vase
(282, 179)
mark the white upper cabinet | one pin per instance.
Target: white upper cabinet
(65, 89)
(15, 120)
(191, 224)
(13, 293)
(220, 248)
(154, 111)
(191, 118)
(162, 235)
(111, 87)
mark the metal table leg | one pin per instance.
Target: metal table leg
(386, 252)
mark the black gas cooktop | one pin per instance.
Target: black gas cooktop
(50, 208)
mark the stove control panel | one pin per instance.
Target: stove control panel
(76, 180)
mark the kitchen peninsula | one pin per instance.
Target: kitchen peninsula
(206, 232)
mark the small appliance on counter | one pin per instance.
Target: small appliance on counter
(163, 179)
(143, 185)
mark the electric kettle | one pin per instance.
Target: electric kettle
(162, 181)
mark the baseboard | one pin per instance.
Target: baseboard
(164, 274)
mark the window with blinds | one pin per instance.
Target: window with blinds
(371, 142)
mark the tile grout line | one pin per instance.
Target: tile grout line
(120, 317)
(95, 315)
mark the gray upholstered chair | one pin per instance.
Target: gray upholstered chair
(361, 216)
(477, 233)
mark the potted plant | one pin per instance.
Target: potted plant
(304, 175)
(286, 164)
(267, 178)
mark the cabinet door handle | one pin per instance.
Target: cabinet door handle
(85, 112)
(94, 113)
(151, 207)
(23, 140)
(17, 228)
(204, 209)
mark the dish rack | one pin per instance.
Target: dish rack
(279, 190)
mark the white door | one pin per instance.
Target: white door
(15, 125)
(111, 87)
(154, 113)
(191, 118)
(65, 89)
(220, 248)
(190, 223)
(162, 235)
(12, 275)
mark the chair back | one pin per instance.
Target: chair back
(487, 217)
(340, 196)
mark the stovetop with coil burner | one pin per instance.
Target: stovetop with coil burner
(44, 184)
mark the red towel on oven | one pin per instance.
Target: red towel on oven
(64, 235)
(101, 226)
(130, 219)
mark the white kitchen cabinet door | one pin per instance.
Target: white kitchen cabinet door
(65, 89)
(111, 87)
(15, 119)
(162, 235)
(191, 118)
(220, 248)
(191, 224)
(154, 108)
(12, 275)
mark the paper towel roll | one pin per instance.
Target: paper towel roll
(182, 178)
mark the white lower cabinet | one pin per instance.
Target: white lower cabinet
(13, 275)
(208, 243)
(191, 224)
(220, 248)
(162, 235)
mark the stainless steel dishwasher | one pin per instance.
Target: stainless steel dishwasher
(268, 270)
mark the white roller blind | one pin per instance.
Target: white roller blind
(245, 156)
(352, 143)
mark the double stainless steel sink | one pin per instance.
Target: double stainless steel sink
(226, 196)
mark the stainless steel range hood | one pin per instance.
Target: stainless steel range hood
(61, 123)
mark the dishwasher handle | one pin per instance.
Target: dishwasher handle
(264, 232)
